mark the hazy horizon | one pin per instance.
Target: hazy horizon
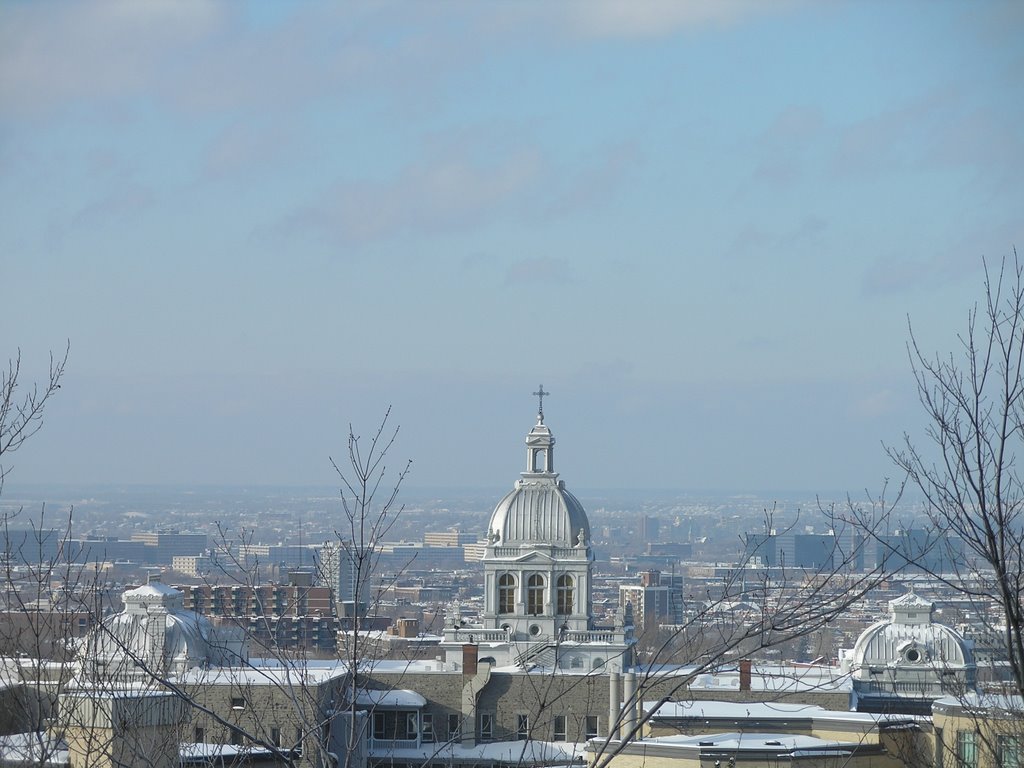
(702, 226)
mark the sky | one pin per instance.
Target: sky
(703, 226)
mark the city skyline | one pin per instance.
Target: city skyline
(702, 226)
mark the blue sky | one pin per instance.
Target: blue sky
(702, 225)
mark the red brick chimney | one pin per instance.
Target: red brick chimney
(745, 668)
(470, 654)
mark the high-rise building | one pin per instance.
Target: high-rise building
(164, 545)
(450, 538)
(650, 527)
(350, 584)
(652, 601)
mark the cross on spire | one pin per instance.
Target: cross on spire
(540, 394)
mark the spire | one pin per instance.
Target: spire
(540, 443)
(540, 394)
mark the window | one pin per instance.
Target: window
(236, 737)
(522, 727)
(1011, 755)
(199, 735)
(598, 663)
(486, 726)
(576, 663)
(590, 727)
(454, 727)
(559, 728)
(275, 737)
(966, 749)
(237, 702)
(535, 595)
(392, 726)
(565, 595)
(540, 460)
(428, 728)
(940, 750)
(507, 593)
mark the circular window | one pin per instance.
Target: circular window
(534, 630)
(506, 627)
(912, 655)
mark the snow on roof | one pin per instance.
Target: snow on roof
(33, 748)
(393, 666)
(764, 677)
(202, 752)
(258, 672)
(153, 589)
(994, 702)
(398, 697)
(742, 742)
(520, 752)
(762, 710)
(718, 710)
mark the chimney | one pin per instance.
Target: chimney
(407, 628)
(651, 578)
(470, 654)
(745, 669)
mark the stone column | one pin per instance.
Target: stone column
(614, 705)
(628, 704)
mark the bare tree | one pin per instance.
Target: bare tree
(966, 470)
(370, 508)
(968, 473)
(22, 405)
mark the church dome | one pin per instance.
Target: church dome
(153, 631)
(539, 510)
(910, 657)
(910, 637)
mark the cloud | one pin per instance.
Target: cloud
(901, 273)
(461, 182)
(200, 56)
(875, 404)
(754, 242)
(122, 202)
(429, 196)
(52, 54)
(785, 143)
(658, 18)
(595, 182)
(242, 147)
(893, 139)
(544, 270)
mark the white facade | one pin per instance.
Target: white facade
(909, 658)
(155, 635)
(537, 577)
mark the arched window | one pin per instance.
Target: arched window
(535, 595)
(506, 593)
(565, 595)
(540, 461)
